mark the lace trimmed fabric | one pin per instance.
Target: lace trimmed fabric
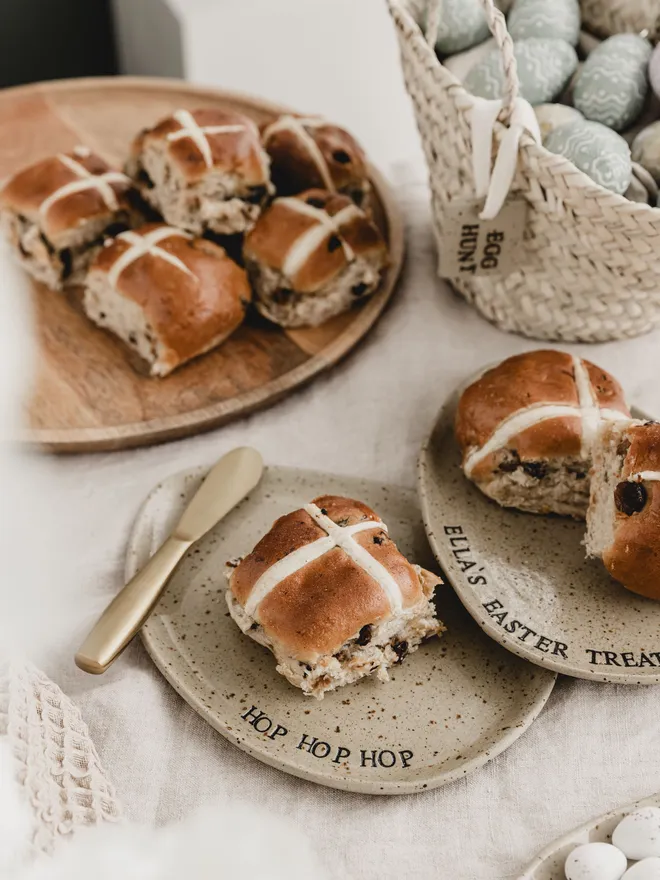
(57, 762)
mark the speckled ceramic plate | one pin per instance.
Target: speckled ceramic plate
(525, 578)
(453, 705)
(549, 864)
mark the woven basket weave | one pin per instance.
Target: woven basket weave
(590, 263)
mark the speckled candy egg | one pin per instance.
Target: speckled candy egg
(596, 150)
(646, 149)
(654, 70)
(613, 85)
(545, 66)
(647, 869)
(539, 18)
(595, 861)
(551, 116)
(463, 24)
(638, 834)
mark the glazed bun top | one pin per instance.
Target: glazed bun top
(542, 405)
(310, 152)
(312, 237)
(64, 191)
(321, 574)
(189, 290)
(634, 556)
(202, 141)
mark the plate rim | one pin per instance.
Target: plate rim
(193, 422)
(380, 787)
(586, 827)
(468, 597)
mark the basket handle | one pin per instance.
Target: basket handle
(497, 26)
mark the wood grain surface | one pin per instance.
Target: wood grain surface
(87, 395)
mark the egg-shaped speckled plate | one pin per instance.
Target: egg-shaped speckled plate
(549, 864)
(449, 708)
(525, 578)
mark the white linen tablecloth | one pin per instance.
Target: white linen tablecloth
(595, 746)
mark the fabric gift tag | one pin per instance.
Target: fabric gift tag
(472, 246)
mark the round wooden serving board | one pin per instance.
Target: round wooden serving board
(87, 395)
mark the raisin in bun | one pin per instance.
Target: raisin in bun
(311, 257)
(57, 212)
(623, 523)
(526, 429)
(203, 170)
(310, 152)
(329, 593)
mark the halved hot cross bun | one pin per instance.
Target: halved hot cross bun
(167, 295)
(313, 256)
(329, 593)
(203, 170)
(527, 426)
(623, 522)
(309, 151)
(57, 212)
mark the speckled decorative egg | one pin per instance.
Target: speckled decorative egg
(545, 66)
(596, 150)
(551, 116)
(647, 869)
(613, 84)
(595, 861)
(654, 70)
(462, 26)
(646, 149)
(539, 18)
(638, 834)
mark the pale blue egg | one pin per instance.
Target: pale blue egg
(612, 86)
(545, 66)
(545, 18)
(463, 25)
(596, 150)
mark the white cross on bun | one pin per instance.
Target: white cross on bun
(623, 523)
(169, 296)
(310, 152)
(203, 170)
(57, 212)
(312, 256)
(526, 429)
(327, 591)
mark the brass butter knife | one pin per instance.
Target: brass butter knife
(228, 482)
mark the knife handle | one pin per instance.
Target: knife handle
(124, 616)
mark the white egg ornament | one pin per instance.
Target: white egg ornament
(638, 834)
(654, 70)
(550, 116)
(647, 869)
(612, 86)
(539, 18)
(596, 150)
(595, 861)
(545, 67)
(463, 25)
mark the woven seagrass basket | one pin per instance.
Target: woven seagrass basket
(589, 267)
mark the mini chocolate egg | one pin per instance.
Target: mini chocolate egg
(463, 25)
(595, 861)
(638, 834)
(545, 66)
(551, 116)
(647, 869)
(596, 150)
(613, 84)
(538, 18)
(463, 62)
(654, 70)
(646, 149)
